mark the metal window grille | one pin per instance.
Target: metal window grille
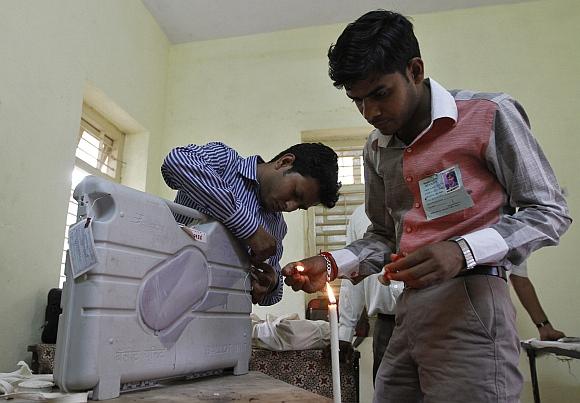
(326, 228)
(98, 152)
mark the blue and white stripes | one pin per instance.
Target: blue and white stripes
(215, 180)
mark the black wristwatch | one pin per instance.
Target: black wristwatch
(466, 250)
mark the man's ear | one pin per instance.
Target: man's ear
(416, 70)
(284, 161)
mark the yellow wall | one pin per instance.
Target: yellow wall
(50, 52)
(529, 50)
(257, 93)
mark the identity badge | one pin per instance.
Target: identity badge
(443, 193)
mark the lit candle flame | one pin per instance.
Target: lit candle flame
(330, 293)
(300, 268)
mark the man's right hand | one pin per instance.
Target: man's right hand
(312, 279)
(264, 281)
(262, 245)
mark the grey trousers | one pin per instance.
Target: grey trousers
(384, 326)
(453, 342)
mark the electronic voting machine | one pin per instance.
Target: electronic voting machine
(145, 299)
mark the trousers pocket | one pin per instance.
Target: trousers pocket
(480, 299)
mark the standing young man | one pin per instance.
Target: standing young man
(455, 338)
(249, 195)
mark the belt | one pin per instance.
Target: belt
(496, 271)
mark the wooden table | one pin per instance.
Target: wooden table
(254, 387)
(534, 351)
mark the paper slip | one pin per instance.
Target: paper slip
(83, 255)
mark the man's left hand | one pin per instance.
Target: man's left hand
(547, 332)
(428, 265)
(264, 280)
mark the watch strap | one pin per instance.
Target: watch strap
(466, 250)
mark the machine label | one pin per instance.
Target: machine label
(196, 234)
(83, 255)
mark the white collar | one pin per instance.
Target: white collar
(442, 102)
(442, 106)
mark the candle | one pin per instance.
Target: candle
(333, 319)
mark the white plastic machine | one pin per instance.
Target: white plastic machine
(144, 300)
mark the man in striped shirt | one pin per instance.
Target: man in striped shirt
(455, 338)
(249, 195)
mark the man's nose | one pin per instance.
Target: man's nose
(370, 109)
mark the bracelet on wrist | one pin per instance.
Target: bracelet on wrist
(542, 324)
(331, 267)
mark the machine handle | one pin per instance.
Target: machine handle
(186, 211)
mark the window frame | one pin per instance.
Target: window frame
(340, 140)
(100, 127)
(92, 121)
(351, 195)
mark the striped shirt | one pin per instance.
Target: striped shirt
(215, 180)
(518, 205)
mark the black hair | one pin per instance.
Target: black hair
(379, 42)
(317, 161)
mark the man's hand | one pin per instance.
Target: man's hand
(346, 352)
(312, 279)
(262, 245)
(264, 281)
(428, 265)
(547, 332)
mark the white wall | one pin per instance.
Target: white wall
(49, 52)
(257, 93)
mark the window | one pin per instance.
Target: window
(330, 224)
(326, 228)
(99, 151)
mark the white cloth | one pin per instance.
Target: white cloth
(377, 297)
(539, 344)
(289, 332)
(18, 386)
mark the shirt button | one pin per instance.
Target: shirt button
(409, 179)
(409, 150)
(409, 229)
(417, 205)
